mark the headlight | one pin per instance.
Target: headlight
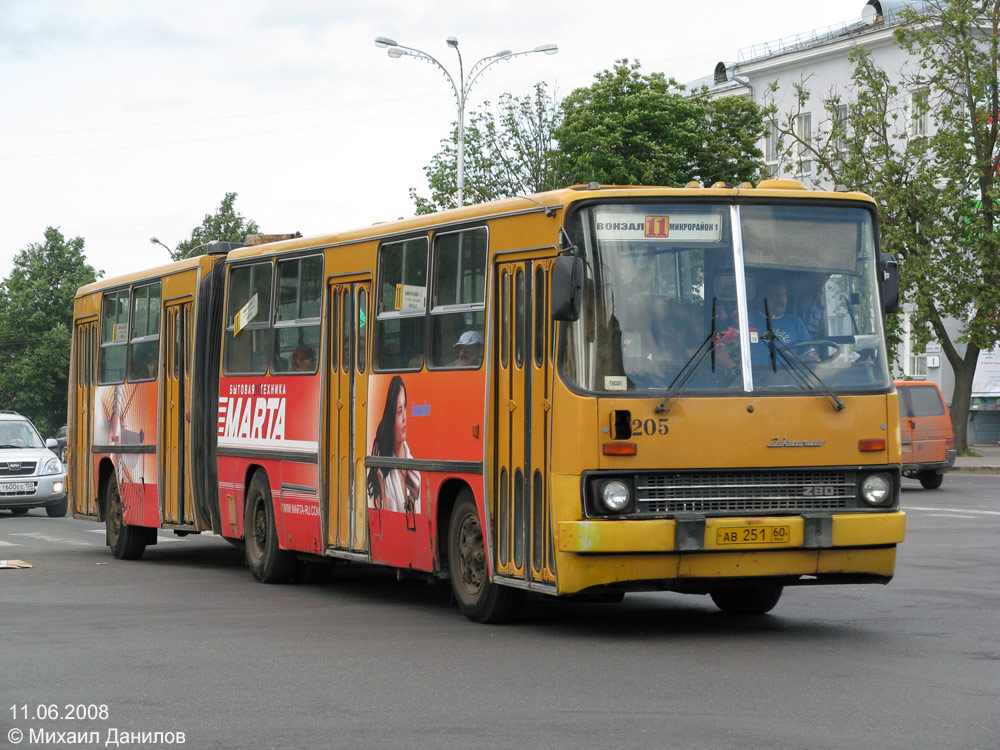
(876, 489)
(614, 496)
(53, 466)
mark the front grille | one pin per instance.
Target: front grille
(751, 492)
(24, 468)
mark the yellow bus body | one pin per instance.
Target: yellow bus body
(520, 416)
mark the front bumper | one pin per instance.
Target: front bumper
(48, 490)
(606, 552)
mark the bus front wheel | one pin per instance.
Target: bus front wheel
(756, 599)
(479, 600)
(126, 542)
(266, 560)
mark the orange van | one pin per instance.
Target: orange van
(928, 443)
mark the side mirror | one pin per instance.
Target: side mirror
(51, 443)
(567, 288)
(889, 283)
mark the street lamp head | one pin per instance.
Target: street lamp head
(452, 41)
(384, 41)
(395, 52)
(548, 49)
(154, 240)
(503, 53)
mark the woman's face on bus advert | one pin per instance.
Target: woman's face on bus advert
(400, 431)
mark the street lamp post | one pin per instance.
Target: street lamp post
(156, 241)
(463, 86)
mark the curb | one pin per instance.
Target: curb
(974, 470)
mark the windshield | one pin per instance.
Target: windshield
(671, 300)
(18, 434)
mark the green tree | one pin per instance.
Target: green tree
(628, 128)
(225, 225)
(509, 151)
(36, 323)
(937, 189)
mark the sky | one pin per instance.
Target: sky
(122, 120)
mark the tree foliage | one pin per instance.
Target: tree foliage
(628, 128)
(937, 191)
(225, 225)
(36, 323)
(509, 151)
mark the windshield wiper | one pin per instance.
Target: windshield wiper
(689, 369)
(11, 445)
(679, 382)
(803, 373)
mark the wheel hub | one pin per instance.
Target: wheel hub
(472, 562)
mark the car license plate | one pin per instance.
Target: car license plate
(7, 487)
(734, 535)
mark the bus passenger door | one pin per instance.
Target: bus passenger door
(81, 464)
(346, 401)
(175, 374)
(522, 357)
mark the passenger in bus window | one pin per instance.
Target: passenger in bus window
(393, 489)
(468, 350)
(788, 327)
(149, 360)
(304, 359)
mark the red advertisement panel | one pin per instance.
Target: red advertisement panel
(274, 423)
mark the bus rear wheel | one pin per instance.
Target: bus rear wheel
(479, 600)
(267, 561)
(757, 599)
(126, 542)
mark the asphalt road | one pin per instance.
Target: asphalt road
(185, 641)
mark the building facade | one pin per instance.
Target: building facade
(773, 73)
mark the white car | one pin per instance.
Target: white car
(31, 475)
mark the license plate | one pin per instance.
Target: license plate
(734, 535)
(17, 487)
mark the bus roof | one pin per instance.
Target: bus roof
(549, 202)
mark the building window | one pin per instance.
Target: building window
(803, 132)
(919, 113)
(841, 120)
(918, 366)
(772, 143)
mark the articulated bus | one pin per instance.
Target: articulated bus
(582, 393)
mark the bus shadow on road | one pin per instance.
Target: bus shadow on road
(651, 615)
(639, 616)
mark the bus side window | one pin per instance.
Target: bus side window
(401, 305)
(144, 355)
(249, 300)
(296, 315)
(114, 337)
(458, 313)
